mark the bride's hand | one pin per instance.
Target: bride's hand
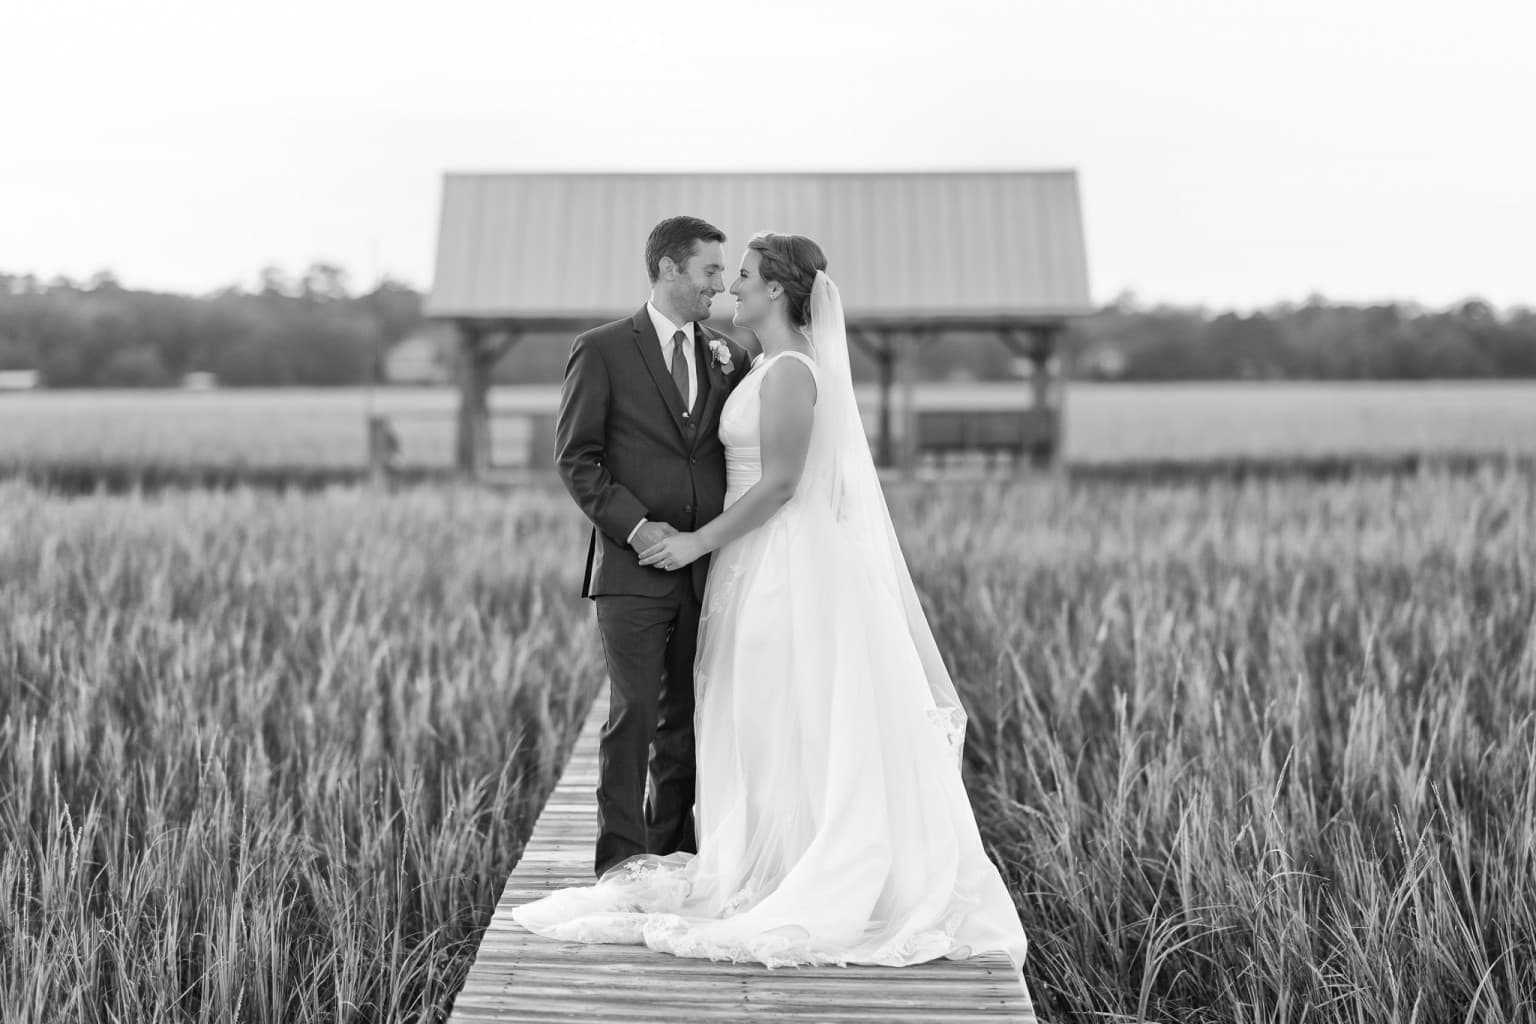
(674, 552)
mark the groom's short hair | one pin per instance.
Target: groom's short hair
(674, 237)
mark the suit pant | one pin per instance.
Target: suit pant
(649, 643)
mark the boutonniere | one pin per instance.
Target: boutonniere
(721, 353)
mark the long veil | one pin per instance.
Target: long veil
(840, 471)
(832, 821)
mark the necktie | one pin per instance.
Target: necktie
(680, 367)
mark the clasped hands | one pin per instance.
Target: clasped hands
(664, 547)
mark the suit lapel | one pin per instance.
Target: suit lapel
(716, 378)
(650, 353)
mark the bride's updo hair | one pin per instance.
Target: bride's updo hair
(792, 261)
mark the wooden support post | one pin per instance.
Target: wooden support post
(887, 385)
(1039, 345)
(1062, 350)
(479, 352)
(885, 361)
(472, 441)
(1040, 390)
(1047, 354)
(877, 346)
(906, 370)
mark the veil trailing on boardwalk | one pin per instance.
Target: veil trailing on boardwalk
(840, 471)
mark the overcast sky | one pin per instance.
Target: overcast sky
(1230, 153)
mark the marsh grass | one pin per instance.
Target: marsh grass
(1257, 753)
(1246, 751)
(269, 757)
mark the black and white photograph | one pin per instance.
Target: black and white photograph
(839, 512)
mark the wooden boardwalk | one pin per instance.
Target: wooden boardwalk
(520, 977)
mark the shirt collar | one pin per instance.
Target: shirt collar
(665, 328)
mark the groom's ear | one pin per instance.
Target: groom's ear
(666, 268)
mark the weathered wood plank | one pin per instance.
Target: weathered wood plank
(520, 977)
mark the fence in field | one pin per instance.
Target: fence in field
(994, 425)
(529, 448)
(80, 440)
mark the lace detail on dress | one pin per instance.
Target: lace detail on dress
(744, 897)
(723, 582)
(647, 883)
(951, 724)
(636, 905)
(653, 901)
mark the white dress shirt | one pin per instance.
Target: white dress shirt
(664, 330)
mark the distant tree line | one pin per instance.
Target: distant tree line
(309, 330)
(1316, 340)
(314, 330)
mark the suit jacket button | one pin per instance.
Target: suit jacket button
(693, 462)
(687, 508)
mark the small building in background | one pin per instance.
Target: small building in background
(920, 257)
(199, 380)
(416, 360)
(1104, 362)
(20, 380)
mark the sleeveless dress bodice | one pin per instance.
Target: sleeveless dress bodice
(739, 428)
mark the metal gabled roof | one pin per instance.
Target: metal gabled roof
(902, 246)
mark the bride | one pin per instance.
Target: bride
(833, 825)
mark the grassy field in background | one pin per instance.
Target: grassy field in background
(1104, 423)
(1254, 751)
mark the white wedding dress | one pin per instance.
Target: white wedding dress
(833, 825)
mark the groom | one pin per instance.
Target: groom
(636, 444)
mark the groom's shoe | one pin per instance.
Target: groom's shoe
(677, 838)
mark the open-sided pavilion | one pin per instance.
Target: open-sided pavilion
(914, 254)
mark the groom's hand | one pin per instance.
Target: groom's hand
(651, 534)
(674, 552)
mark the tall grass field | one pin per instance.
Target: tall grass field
(1249, 751)
(269, 758)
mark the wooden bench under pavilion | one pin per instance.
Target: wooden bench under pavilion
(915, 255)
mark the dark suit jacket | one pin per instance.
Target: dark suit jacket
(625, 450)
